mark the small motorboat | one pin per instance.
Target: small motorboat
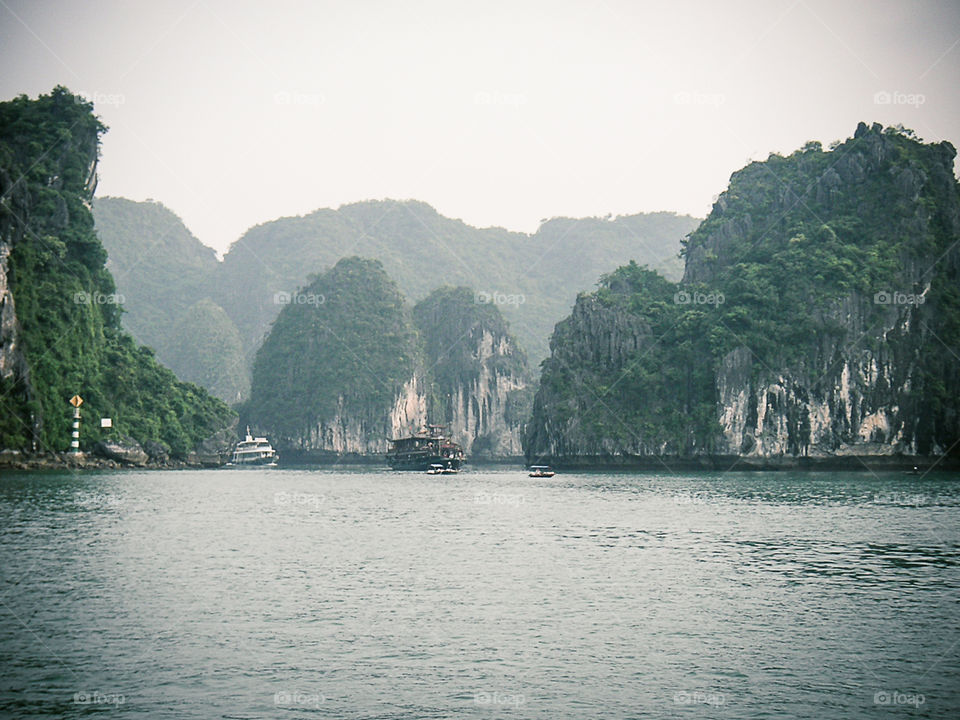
(437, 469)
(541, 471)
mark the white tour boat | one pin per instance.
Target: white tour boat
(254, 451)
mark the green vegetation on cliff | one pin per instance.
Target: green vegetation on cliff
(347, 365)
(65, 336)
(806, 263)
(344, 337)
(792, 235)
(624, 372)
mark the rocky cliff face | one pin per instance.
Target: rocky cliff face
(351, 431)
(478, 418)
(480, 412)
(857, 398)
(14, 371)
(818, 316)
(475, 376)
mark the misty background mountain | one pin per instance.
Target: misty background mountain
(206, 319)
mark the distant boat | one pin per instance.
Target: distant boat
(424, 449)
(915, 471)
(541, 471)
(254, 451)
(438, 469)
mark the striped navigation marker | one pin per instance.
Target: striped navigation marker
(76, 401)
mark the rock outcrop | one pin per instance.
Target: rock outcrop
(124, 450)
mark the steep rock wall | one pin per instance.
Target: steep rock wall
(476, 416)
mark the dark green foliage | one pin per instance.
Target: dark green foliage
(345, 344)
(345, 336)
(812, 239)
(658, 393)
(68, 311)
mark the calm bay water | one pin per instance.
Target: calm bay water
(371, 594)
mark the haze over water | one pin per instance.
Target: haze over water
(371, 594)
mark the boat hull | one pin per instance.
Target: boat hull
(421, 463)
(254, 461)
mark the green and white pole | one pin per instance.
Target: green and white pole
(75, 442)
(76, 401)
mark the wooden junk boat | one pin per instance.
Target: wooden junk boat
(426, 448)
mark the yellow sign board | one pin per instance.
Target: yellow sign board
(76, 401)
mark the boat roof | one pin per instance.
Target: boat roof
(539, 467)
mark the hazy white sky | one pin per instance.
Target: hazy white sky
(499, 113)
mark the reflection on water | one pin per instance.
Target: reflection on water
(370, 594)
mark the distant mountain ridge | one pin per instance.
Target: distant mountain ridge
(163, 270)
(165, 274)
